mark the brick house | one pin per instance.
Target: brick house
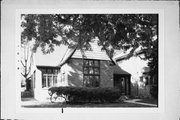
(91, 68)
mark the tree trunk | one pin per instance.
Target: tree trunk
(28, 83)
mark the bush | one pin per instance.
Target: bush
(154, 91)
(83, 94)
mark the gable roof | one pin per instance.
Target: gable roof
(95, 53)
(62, 54)
(51, 59)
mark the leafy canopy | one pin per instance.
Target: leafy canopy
(117, 31)
(114, 31)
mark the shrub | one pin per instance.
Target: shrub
(154, 91)
(83, 94)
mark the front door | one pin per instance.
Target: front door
(122, 82)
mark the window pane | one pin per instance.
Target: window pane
(96, 81)
(44, 81)
(85, 70)
(49, 81)
(86, 81)
(91, 78)
(96, 71)
(96, 63)
(91, 73)
(43, 71)
(55, 71)
(58, 70)
(62, 78)
(54, 80)
(86, 63)
(49, 71)
(91, 63)
(91, 70)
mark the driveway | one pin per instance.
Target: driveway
(138, 101)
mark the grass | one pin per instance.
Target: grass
(32, 103)
(87, 105)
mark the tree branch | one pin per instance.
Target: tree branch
(22, 64)
(127, 56)
(23, 75)
(28, 78)
(28, 73)
(104, 47)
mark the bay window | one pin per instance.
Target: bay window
(49, 76)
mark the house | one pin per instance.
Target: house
(138, 68)
(90, 68)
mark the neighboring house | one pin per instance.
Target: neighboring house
(138, 68)
(77, 68)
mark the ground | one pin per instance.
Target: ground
(32, 103)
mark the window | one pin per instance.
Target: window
(91, 73)
(49, 77)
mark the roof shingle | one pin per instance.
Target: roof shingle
(95, 53)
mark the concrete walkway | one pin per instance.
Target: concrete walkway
(32, 101)
(140, 103)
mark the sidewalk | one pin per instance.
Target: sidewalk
(140, 103)
(31, 102)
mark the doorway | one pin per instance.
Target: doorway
(122, 82)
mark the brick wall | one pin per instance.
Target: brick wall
(74, 71)
(106, 72)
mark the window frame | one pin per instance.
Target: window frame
(88, 66)
(51, 72)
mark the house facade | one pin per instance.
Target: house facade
(90, 68)
(140, 80)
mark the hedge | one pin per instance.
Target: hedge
(84, 94)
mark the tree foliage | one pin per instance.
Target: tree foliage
(114, 31)
(122, 31)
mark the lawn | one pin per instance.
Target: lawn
(36, 104)
(33, 103)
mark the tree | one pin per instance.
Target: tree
(26, 63)
(153, 62)
(114, 31)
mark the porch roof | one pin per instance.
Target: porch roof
(118, 70)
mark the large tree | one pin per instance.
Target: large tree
(26, 63)
(114, 31)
